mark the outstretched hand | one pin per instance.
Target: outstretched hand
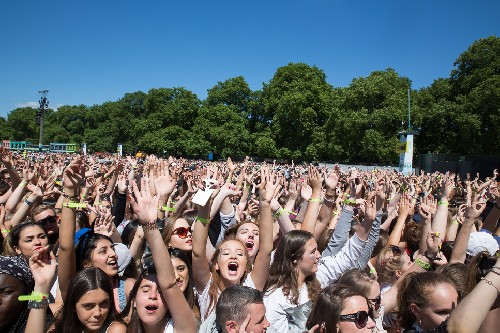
(143, 203)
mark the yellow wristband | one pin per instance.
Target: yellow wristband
(315, 200)
(74, 205)
(202, 220)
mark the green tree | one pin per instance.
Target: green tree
(298, 100)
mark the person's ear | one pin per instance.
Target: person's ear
(398, 273)
(231, 326)
(216, 266)
(86, 264)
(416, 311)
(18, 250)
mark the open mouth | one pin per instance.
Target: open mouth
(249, 244)
(151, 308)
(233, 268)
(113, 263)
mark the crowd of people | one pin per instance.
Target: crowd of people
(115, 244)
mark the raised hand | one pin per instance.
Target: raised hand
(268, 184)
(144, 204)
(331, 181)
(314, 178)
(165, 180)
(43, 267)
(73, 174)
(103, 224)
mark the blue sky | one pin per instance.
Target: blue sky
(92, 51)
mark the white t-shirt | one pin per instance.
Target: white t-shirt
(170, 327)
(329, 269)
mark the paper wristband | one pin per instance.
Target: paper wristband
(75, 205)
(33, 297)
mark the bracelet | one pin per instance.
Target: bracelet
(42, 304)
(73, 204)
(373, 270)
(149, 226)
(247, 186)
(442, 203)
(5, 231)
(279, 212)
(491, 284)
(315, 200)
(203, 220)
(455, 222)
(423, 264)
(329, 200)
(34, 296)
(29, 203)
(288, 211)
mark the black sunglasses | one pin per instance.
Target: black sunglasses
(396, 250)
(47, 220)
(360, 318)
(376, 302)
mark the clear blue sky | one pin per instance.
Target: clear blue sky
(92, 51)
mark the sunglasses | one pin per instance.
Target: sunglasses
(47, 220)
(376, 302)
(360, 318)
(396, 250)
(182, 232)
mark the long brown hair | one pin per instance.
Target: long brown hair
(217, 285)
(283, 271)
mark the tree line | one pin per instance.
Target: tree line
(296, 115)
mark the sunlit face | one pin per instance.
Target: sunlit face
(104, 257)
(181, 273)
(10, 307)
(176, 240)
(50, 225)
(31, 240)
(351, 306)
(308, 263)
(258, 322)
(248, 234)
(231, 262)
(92, 309)
(442, 300)
(149, 301)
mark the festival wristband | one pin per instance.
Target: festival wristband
(202, 220)
(34, 296)
(423, 264)
(74, 205)
(315, 200)
(443, 203)
(166, 208)
(279, 212)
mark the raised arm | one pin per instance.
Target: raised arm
(72, 178)
(146, 208)
(201, 267)
(472, 212)
(473, 309)
(43, 267)
(309, 222)
(441, 219)
(269, 183)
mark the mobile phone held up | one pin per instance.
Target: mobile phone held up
(202, 195)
